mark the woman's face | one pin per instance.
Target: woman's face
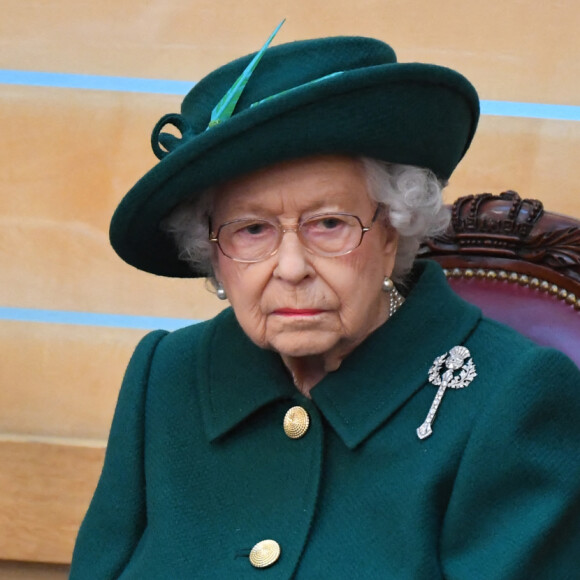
(295, 302)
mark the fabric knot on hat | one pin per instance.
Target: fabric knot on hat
(164, 143)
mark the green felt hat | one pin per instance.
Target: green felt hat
(338, 95)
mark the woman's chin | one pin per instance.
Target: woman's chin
(304, 344)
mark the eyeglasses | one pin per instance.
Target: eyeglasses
(325, 234)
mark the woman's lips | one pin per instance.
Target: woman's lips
(298, 311)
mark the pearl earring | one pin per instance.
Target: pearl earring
(220, 292)
(388, 285)
(395, 299)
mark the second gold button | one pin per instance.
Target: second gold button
(265, 553)
(296, 422)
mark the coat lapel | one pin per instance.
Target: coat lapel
(376, 380)
(236, 378)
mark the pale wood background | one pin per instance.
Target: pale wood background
(69, 155)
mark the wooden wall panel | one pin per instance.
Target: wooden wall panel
(61, 380)
(10, 570)
(46, 489)
(511, 49)
(73, 155)
(536, 157)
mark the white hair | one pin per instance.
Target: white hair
(412, 196)
(414, 201)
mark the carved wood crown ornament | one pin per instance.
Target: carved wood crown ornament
(509, 227)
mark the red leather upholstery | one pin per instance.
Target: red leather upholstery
(538, 315)
(518, 263)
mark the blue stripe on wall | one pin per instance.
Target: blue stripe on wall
(94, 82)
(93, 319)
(169, 87)
(530, 110)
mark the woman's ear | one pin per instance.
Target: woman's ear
(392, 240)
(390, 246)
(214, 261)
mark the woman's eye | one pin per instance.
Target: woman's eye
(325, 224)
(255, 229)
(330, 223)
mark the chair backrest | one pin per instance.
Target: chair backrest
(518, 263)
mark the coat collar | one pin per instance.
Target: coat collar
(373, 382)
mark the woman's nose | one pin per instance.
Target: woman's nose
(293, 259)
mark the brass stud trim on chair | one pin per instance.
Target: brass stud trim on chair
(515, 278)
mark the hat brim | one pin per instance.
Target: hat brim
(415, 114)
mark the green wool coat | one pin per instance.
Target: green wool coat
(199, 469)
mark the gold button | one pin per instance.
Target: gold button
(296, 422)
(264, 553)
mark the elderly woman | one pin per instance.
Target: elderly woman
(348, 416)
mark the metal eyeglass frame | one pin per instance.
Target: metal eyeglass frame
(295, 228)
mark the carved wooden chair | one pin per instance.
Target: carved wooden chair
(518, 263)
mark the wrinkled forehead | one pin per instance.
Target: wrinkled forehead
(333, 183)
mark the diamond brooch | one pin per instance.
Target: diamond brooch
(458, 375)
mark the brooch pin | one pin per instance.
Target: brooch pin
(448, 380)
